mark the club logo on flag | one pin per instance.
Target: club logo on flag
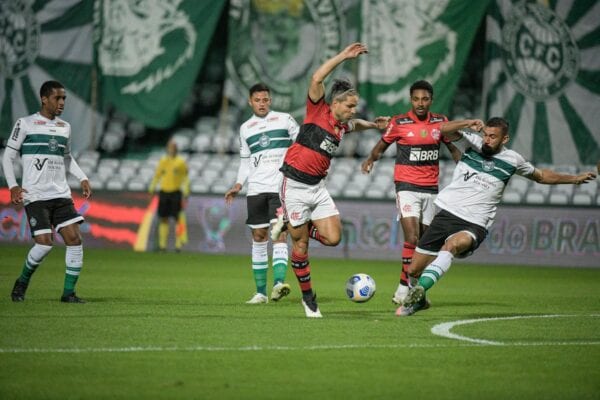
(540, 55)
(20, 33)
(281, 44)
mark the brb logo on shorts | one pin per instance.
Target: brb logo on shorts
(539, 53)
(281, 43)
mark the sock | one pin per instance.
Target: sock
(260, 263)
(163, 234)
(407, 253)
(280, 260)
(313, 232)
(74, 262)
(434, 271)
(34, 258)
(301, 268)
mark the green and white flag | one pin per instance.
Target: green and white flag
(411, 40)
(281, 43)
(47, 40)
(149, 54)
(543, 74)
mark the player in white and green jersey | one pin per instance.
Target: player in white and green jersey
(468, 204)
(43, 141)
(264, 140)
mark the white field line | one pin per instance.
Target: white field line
(440, 329)
(444, 328)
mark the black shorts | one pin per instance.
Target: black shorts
(44, 215)
(262, 209)
(169, 204)
(445, 224)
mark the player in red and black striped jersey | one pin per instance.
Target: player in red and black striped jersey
(417, 137)
(310, 210)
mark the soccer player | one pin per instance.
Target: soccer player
(172, 177)
(468, 204)
(264, 139)
(44, 142)
(307, 205)
(417, 137)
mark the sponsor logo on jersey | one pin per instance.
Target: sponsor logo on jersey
(329, 146)
(275, 118)
(416, 154)
(60, 124)
(436, 119)
(39, 122)
(15, 132)
(468, 175)
(404, 121)
(256, 160)
(251, 124)
(39, 164)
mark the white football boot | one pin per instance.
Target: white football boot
(258, 298)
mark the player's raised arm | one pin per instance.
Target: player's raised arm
(449, 129)
(316, 89)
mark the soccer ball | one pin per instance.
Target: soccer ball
(360, 288)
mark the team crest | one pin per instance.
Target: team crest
(435, 134)
(20, 33)
(264, 140)
(132, 35)
(53, 145)
(488, 165)
(539, 53)
(281, 43)
(423, 133)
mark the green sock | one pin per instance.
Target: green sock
(27, 271)
(280, 261)
(70, 281)
(260, 278)
(426, 282)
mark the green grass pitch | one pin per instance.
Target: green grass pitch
(175, 326)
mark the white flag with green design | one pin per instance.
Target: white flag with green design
(47, 40)
(543, 75)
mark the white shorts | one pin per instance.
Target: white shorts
(416, 204)
(303, 203)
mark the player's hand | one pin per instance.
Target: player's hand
(366, 166)
(16, 194)
(585, 178)
(86, 189)
(231, 193)
(382, 122)
(354, 50)
(475, 124)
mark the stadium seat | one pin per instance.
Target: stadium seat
(535, 197)
(511, 197)
(352, 192)
(115, 184)
(199, 187)
(558, 199)
(137, 186)
(582, 199)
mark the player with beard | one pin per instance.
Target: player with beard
(468, 204)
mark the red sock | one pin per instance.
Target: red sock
(313, 232)
(301, 268)
(407, 252)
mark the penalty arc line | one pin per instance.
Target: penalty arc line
(444, 328)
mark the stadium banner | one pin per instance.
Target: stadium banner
(281, 43)
(412, 40)
(149, 54)
(543, 74)
(40, 41)
(549, 236)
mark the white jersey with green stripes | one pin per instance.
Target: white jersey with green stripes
(265, 141)
(43, 144)
(479, 181)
